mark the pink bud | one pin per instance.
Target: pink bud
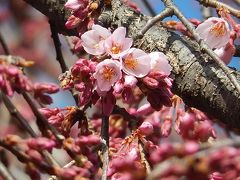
(76, 4)
(47, 112)
(146, 128)
(191, 147)
(144, 110)
(72, 22)
(45, 88)
(108, 103)
(41, 143)
(35, 155)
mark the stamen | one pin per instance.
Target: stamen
(116, 49)
(108, 73)
(130, 62)
(219, 29)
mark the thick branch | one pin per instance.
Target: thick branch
(197, 78)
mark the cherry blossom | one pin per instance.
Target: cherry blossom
(107, 73)
(93, 40)
(215, 32)
(136, 63)
(159, 62)
(117, 44)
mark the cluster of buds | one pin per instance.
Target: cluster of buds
(80, 77)
(222, 163)
(13, 79)
(63, 119)
(194, 125)
(81, 14)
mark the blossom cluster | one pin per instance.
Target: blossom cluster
(116, 70)
(132, 61)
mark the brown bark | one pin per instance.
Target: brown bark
(197, 79)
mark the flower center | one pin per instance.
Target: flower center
(219, 29)
(116, 49)
(130, 62)
(108, 73)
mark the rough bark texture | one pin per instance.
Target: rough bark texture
(197, 79)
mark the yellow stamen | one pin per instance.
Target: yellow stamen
(130, 62)
(108, 73)
(116, 49)
(219, 29)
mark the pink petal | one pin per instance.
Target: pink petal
(142, 63)
(160, 63)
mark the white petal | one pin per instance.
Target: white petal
(160, 63)
(103, 32)
(143, 63)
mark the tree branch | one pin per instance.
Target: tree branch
(105, 145)
(216, 4)
(197, 78)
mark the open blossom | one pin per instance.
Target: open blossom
(136, 63)
(93, 40)
(159, 62)
(215, 32)
(107, 73)
(117, 44)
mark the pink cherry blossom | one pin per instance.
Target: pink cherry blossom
(215, 32)
(117, 44)
(93, 40)
(159, 62)
(136, 63)
(107, 73)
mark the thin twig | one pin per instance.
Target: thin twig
(4, 45)
(15, 113)
(41, 118)
(203, 45)
(57, 45)
(24, 158)
(165, 13)
(149, 7)
(237, 2)
(59, 55)
(105, 145)
(5, 173)
(206, 12)
(216, 4)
